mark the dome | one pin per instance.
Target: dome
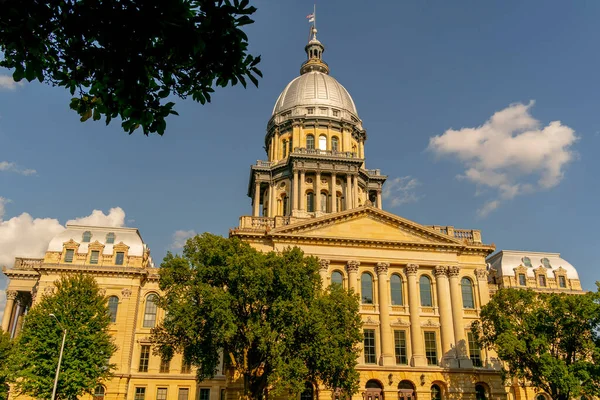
(505, 262)
(315, 89)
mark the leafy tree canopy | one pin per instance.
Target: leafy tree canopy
(266, 312)
(124, 58)
(83, 312)
(550, 341)
(5, 353)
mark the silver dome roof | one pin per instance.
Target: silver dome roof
(314, 89)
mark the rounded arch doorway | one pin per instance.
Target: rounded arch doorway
(373, 390)
(406, 390)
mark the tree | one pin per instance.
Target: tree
(5, 353)
(266, 312)
(124, 58)
(549, 341)
(83, 312)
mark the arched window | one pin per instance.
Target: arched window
(87, 237)
(310, 142)
(310, 202)
(480, 392)
(366, 288)
(337, 278)
(99, 393)
(467, 293)
(284, 148)
(406, 390)
(425, 288)
(150, 312)
(322, 142)
(113, 306)
(308, 393)
(396, 289)
(110, 238)
(334, 143)
(286, 204)
(373, 390)
(323, 204)
(436, 392)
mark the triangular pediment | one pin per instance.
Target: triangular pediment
(368, 224)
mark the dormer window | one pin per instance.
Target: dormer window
(94, 257)
(546, 263)
(69, 255)
(562, 282)
(542, 280)
(110, 238)
(527, 262)
(86, 237)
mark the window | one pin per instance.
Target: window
(119, 258)
(308, 393)
(526, 262)
(99, 393)
(396, 289)
(165, 366)
(69, 255)
(322, 142)
(185, 367)
(366, 288)
(113, 306)
(110, 238)
(204, 394)
(184, 394)
(400, 347)
(310, 202)
(310, 111)
(336, 113)
(144, 358)
(474, 350)
(540, 397)
(436, 392)
(86, 237)
(161, 394)
(150, 312)
(140, 393)
(467, 293)
(310, 142)
(562, 282)
(337, 278)
(542, 280)
(522, 280)
(285, 205)
(222, 394)
(431, 348)
(369, 346)
(480, 393)
(425, 288)
(546, 263)
(323, 202)
(284, 148)
(94, 257)
(334, 143)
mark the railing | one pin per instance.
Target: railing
(263, 223)
(261, 163)
(332, 153)
(373, 171)
(27, 263)
(466, 235)
(463, 234)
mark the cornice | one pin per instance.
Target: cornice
(95, 269)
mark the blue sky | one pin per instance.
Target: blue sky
(416, 71)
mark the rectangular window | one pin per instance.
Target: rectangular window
(120, 258)
(69, 255)
(204, 394)
(369, 346)
(310, 111)
(183, 394)
(431, 348)
(144, 358)
(474, 350)
(140, 393)
(562, 282)
(185, 368)
(94, 257)
(522, 280)
(400, 347)
(336, 113)
(165, 366)
(161, 394)
(542, 280)
(222, 394)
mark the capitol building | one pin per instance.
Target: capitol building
(421, 286)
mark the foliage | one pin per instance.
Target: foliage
(124, 58)
(267, 312)
(551, 341)
(5, 353)
(83, 312)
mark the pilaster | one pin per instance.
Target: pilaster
(11, 295)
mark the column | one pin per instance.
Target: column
(482, 286)
(302, 191)
(457, 315)
(355, 190)
(416, 334)
(294, 186)
(11, 295)
(333, 192)
(323, 271)
(445, 309)
(352, 270)
(387, 341)
(272, 202)
(349, 204)
(256, 200)
(317, 187)
(379, 205)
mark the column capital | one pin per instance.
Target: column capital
(411, 269)
(453, 271)
(481, 274)
(11, 294)
(323, 264)
(440, 271)
(382, 268)
(352, 266)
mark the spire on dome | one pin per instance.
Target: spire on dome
(314, 49)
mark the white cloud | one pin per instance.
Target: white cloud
(8, 83)
(6, 166)
(401, 190)
(180, 237)
(511, 153)
(115, 217)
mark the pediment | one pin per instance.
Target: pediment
(365, 223)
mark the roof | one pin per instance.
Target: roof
(129, 236)
(505, 261)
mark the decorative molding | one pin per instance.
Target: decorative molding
(430, 324)
(11, 294)
(102, 292)
(481, 274)
(411, 269)
(540, 271)
(453, 271)
(48, 290)
(560, 271)
(126, 292)
(382, 268)
(371, 322)
(324, 264)
(352, 266)
(400, 322)
(440, 271)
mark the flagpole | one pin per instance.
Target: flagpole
(315, 15)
